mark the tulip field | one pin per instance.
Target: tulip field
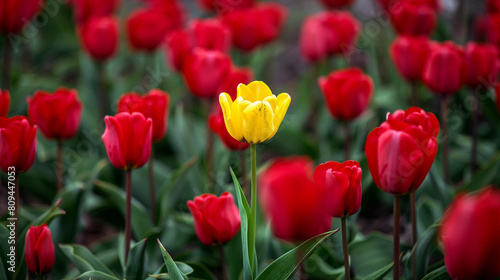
(249, 139)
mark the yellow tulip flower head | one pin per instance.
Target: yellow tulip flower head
(256, 114)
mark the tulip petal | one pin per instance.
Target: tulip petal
(30, 255)
(338, 185)
(9, 149)
(258, 122)
(260, 90)
(45, 251)
(113, 139)
(283, 102)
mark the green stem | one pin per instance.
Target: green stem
(397, 212)
(344, 247)
(59, 165)
(103, 93)
(128, 212)
(446, 140)
(223, 262)
(7, 59)
(414, 234)
(347, 141)
(253, 210)
(152, 200)
(475, 117)
(414, 93)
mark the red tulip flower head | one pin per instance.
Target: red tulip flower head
(15, 14)
(153, 105)
(470, 237)
(39, 251)
(204, 71)
(17, 143)
(223, 6)
(343, 182)
(296, 206)
(178, 46)
(216, 219)
(255, 26)
(413, 18)
(100, 36)
(57, 114)
(86, 9)
(128, 139)
(335, 4)
(4, 102)
(401, 151)
(328, 33)
(444, 71)
(147, 28)
(409, 53)
(347, 92)
(493, 6)
(482, 64)
(211, 34)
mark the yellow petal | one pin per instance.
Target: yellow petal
(237, 119)
(226, 104)
(272, 101)
(245, 93)
(283, 101)
(260, 89)
(258, 122)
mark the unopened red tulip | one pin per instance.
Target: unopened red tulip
(409, 54)
(16, 14)
(100, 37)
(413, 18)
(223, 6)
(17, 143)
(147, 28)
(335, 4)
(39, 251)
(482, 64)
(86, 9)
(211, 34)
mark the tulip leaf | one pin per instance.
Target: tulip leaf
(96, 275)
(173, 270)
(440, 273)
(244, 214)
(287, 264)
(136, 260)
(141, 223)
(83, 259)
(484, 176)
(425, 246)
(186, 268)
(64, 230)
(381, 273)
(371, 253)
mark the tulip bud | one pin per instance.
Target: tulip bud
(482, 64)
(347, 92)
(178, 46)
(4, 102)
(444, 70)
(223, 6)
(57, 114)
(236, 76)
(99, 36)
(493, 6)
(216, 219)
(470, 236)
(153, 105)
(15, 14)
(343, 182)
(147, 28)
(39, 251)
(128, 139)
(211, 34)
(255, 26)
(204, 71)
(17, 143)
(86, 9)
(297, 208)
(413, 18)
(409, 54)
(335, 4)
(401, 151)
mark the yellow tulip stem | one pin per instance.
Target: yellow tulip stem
(253, 210)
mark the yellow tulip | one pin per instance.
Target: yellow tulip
(256, 114)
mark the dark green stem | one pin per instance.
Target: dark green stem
(152, 199)
(414, 236)
(103, 93)
(223, 262)
(397, 213)
(253, 210)
(347, 141)
(128, 213)
(59, 166)
(344, 247)
(446, 139)
(6, 63)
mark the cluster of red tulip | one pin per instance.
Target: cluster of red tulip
(297, 198)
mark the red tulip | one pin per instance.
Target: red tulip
(223, 6)
(179, 45)
(347, 92)
(86, 9)
(401, 151)
(491, 25)
(147, 28)
(39, 251)
(444, 70)
(15, 14)
(396, 4)
(255, 26)
(328, 33)
(469, 234)
(413, 18)
(343, 181)
(216, 219)
(57, 114)
(334, 4)
(17, 143)
(211, 34)
(217, 125)
(493, 6)
(128, 139)
(409, 54)
(173, 11)
(482, 64)
(236, 76)
(100, 37)
(297, 207)
(153, 105)
(4, 102)
(204, 71)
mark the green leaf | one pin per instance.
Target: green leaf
(371, 254)
(141, 223)
(381, 273)
(96, 275)
(173, 270)
(484, 176)
(438, 274)
(136, 259)
(425, 246)
(286, 265)
(244, 214)
(184, 268)
(65, 229)
(83, 259)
